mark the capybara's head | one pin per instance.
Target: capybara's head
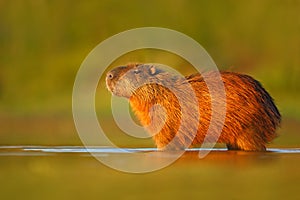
(124, 80)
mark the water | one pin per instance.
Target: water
(71, 172)
(105, 151)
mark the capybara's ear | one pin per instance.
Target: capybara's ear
(152, 70)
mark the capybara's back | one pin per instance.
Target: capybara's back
(251, 115)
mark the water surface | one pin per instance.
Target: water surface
(86, 151)
(71, 172)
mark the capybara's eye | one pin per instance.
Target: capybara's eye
(152, 70)
(136, 71)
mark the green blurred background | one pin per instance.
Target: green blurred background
(43, 43)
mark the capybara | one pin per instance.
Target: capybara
(251, 116)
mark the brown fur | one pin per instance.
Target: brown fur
(251, 115)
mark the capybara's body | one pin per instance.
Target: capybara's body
(251, 117)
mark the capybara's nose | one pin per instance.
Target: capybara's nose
(110, 75)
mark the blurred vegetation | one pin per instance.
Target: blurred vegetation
(43, 43)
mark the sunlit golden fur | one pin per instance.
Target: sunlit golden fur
(251, 115)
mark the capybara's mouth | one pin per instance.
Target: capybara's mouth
(110, 86)
(109, 83)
